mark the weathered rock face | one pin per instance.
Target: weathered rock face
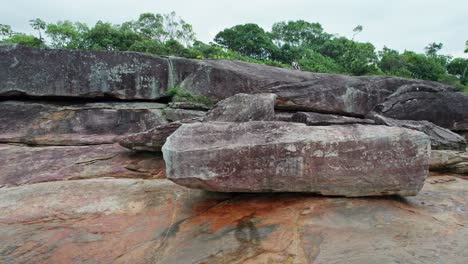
(173, 114)
(317, 119)
(153, 139)
(284, 116)
(289, 157)
(449, 161)
(349, 95)
(81, 124)
(48, 72)
(445, 109)
(127, 75)
(244, 108)
(441, 138)
(25, 165)
(156, 221)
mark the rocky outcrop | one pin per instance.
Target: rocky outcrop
(346, 95)
(317, 119)
(449, 161)
(130, 76)
(441, 138)
(89, 74)
(26, 165)
(244, 108)
(156, 221)
(42, 123)
(289, 157)
(445, 109)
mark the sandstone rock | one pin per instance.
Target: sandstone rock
(155, 221)
(450, 161)
(445, 109)
(244, 108)
(340, 94)
(172, 114)
(81, 124)
(189, 106)
(441, 138)
(153, 139)
(284, 116)
(289, 157)
(51, 72)
(127, 75)
(26, 165)
(317, 119)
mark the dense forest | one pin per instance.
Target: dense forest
(293, 41)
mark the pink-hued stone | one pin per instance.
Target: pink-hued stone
(355, 160)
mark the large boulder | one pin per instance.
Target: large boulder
(317, 119)
(52, 72)
(244, 108)
(445, 109)
(78, 124)
(441, 138)
(351, 160)
(156, 221)
(175, 114)
(26, 165)
(347, 95)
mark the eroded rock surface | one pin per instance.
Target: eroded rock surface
(153, 139)
(26, 165)
(353, 160)
(450, 161)
(52, 72)
(142, 221)
(173, 114)
(244, 108)
(441, 138)
(347, 95)
(317, 119)
(76, 124)
(445, 109)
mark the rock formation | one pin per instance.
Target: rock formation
(441, 138)
(244, 108)
(70, 194)
(317, 119)
(288, 157)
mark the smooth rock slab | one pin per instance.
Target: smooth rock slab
(353, 160)
(449, 161)
(45, 123)
(27, 165)
(156, 221)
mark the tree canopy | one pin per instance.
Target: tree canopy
(288, 41)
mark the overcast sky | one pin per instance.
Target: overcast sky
(399, 24)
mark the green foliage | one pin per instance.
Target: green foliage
(25, 40)
(459, 68)
(248, 40)
(180, 95)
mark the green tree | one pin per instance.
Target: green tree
(433, 48)
(5, 31)
(466, 46)
(66, 34)
(459, 68)
(298, 33)
(358, 29)
(393, 63)
(105, 36)
(25, 40)
(38, 24)
(248, 40)
(423, 67)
